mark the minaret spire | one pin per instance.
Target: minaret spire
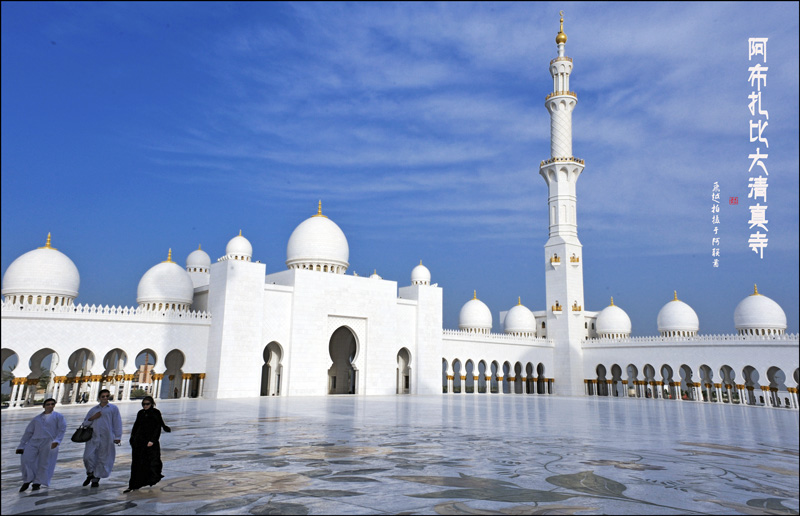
(561, 173)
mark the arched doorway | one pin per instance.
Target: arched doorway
(10, 360)
(272, 370)
(602, 386)
(80, 365)
(172, 384)
(342, 349)
(143, 382)
(113, 372)
(403, 371)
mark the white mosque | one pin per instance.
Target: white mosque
(230, 330)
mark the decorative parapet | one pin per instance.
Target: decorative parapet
(496, 337)
(560, 93)
(562, 160)
(10, 309)
(730, 339)
(564, 58)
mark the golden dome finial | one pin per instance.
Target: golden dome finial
(519, 300)
(561, 37)
(420, 262)
(199, 247)
(47, 244)
(675, 292)
(240, 232)
(755, 287)
(319, 210)
(612, 301)
(169, 257)
(474, 294)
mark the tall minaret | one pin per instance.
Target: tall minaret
(562, 253)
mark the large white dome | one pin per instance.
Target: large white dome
(318, 244)
(757, 314)
(676, 318)
(475, 315)
(198, 259)
(519, 320)
(612, 321)
(420, 275)
(164, 285)
(45, 271)
(239, 248)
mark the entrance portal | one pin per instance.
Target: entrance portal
(272, 370)
(342, 374)
(403, 371)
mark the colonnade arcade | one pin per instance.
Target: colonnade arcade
(768, 388)
(85, 377)
(494, 378)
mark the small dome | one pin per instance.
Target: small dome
(375, 275)
(519, 320)
(676, 318)
(43, 271)
(758, 312)
(318, 244)
(420, 275)
(165, 283)
(239, 248)
(613, 321)
(198, 259)
(475, 315)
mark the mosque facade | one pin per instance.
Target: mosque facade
(230, 330)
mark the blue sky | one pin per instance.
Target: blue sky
(131, 128)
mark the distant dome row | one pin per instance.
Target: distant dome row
(47, 276)
(754, 315)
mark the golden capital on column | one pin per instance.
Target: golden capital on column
(202, 375)
(187, 376)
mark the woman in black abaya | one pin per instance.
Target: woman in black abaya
(146, 451)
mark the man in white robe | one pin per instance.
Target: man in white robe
(99, 454)
(39, 446)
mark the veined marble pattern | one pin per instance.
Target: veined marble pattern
(454, 454)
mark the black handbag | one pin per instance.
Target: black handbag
(82, 434)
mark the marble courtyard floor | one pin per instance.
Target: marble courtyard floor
(452, 454)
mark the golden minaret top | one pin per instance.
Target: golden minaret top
(561, 37)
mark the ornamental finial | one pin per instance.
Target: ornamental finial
(561, 37)
(755, 287)
(47, 244)
(519, 300)
(240, 232)
(169, 257)
(319, 210)
(199, 247)
(676, 295)
(474, 294)
(612, 301)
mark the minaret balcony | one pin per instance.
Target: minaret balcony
(555, 261)
(570, 159)
(563, 58)
(556, 309)
(562, 93)
(577, 309)
(575, 261)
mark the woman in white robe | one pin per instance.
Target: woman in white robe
(39, 446)
(99, 454)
